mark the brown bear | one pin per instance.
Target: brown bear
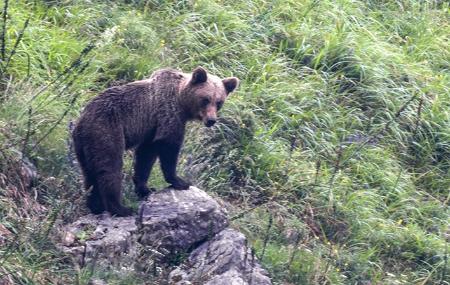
(148, 116)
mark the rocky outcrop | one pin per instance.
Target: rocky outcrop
(175, 221)
(188, 226)
(225, 259)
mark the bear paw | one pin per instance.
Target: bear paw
(143, 191)
(121, 211)
(180, 184)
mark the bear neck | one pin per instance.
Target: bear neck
(184, 109)
(185, 103)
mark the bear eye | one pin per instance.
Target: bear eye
(219, 105)
(204, 102)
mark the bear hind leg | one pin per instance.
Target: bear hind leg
(95, 201)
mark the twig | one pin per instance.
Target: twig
(337, 166)
(444, 269)
(68, 85)
(316, 176)
(52, 128)
(28, 133)
(70, 148)
(267, 237)
(419, 114)
(72, 102)
(3, 35)
(74, 64)
(291, 258)
(16, 44)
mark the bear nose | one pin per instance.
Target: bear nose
(210, 122)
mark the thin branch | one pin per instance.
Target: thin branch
(68, 85)
(52, 128)
(294, 251)
(72, 102)
(3, 35)
(28, 133)
(267, 237)
(74, 65)
(444, 268)
(419, 115)
(16, 44)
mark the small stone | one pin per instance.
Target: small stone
(292, 235)
(97, 282)
(68, 238)
(27, 170)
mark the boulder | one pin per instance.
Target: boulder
(224, 260)
(175, 221)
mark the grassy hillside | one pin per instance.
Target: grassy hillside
(334, 153)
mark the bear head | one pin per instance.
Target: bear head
(203, 95)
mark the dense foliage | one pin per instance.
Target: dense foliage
(334, 153)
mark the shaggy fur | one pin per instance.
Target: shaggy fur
(149, 116)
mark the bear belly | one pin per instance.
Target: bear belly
(134, 139)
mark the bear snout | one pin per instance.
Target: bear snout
(210, 122)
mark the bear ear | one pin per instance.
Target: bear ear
(230, 84)
(198, 75)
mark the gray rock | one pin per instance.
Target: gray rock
(171, 223)
(224, 260)
(175, 221)
(101, 237)
(20, 171)
(28, 173)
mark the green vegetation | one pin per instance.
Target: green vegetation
(335, 151)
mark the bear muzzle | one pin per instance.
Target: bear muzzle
(210, 122)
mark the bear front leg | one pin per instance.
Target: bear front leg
(110, 194)
(168, 155)
(144, 158)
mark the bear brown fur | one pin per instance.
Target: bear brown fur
(149, 116)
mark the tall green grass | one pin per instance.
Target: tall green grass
(334, 152)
